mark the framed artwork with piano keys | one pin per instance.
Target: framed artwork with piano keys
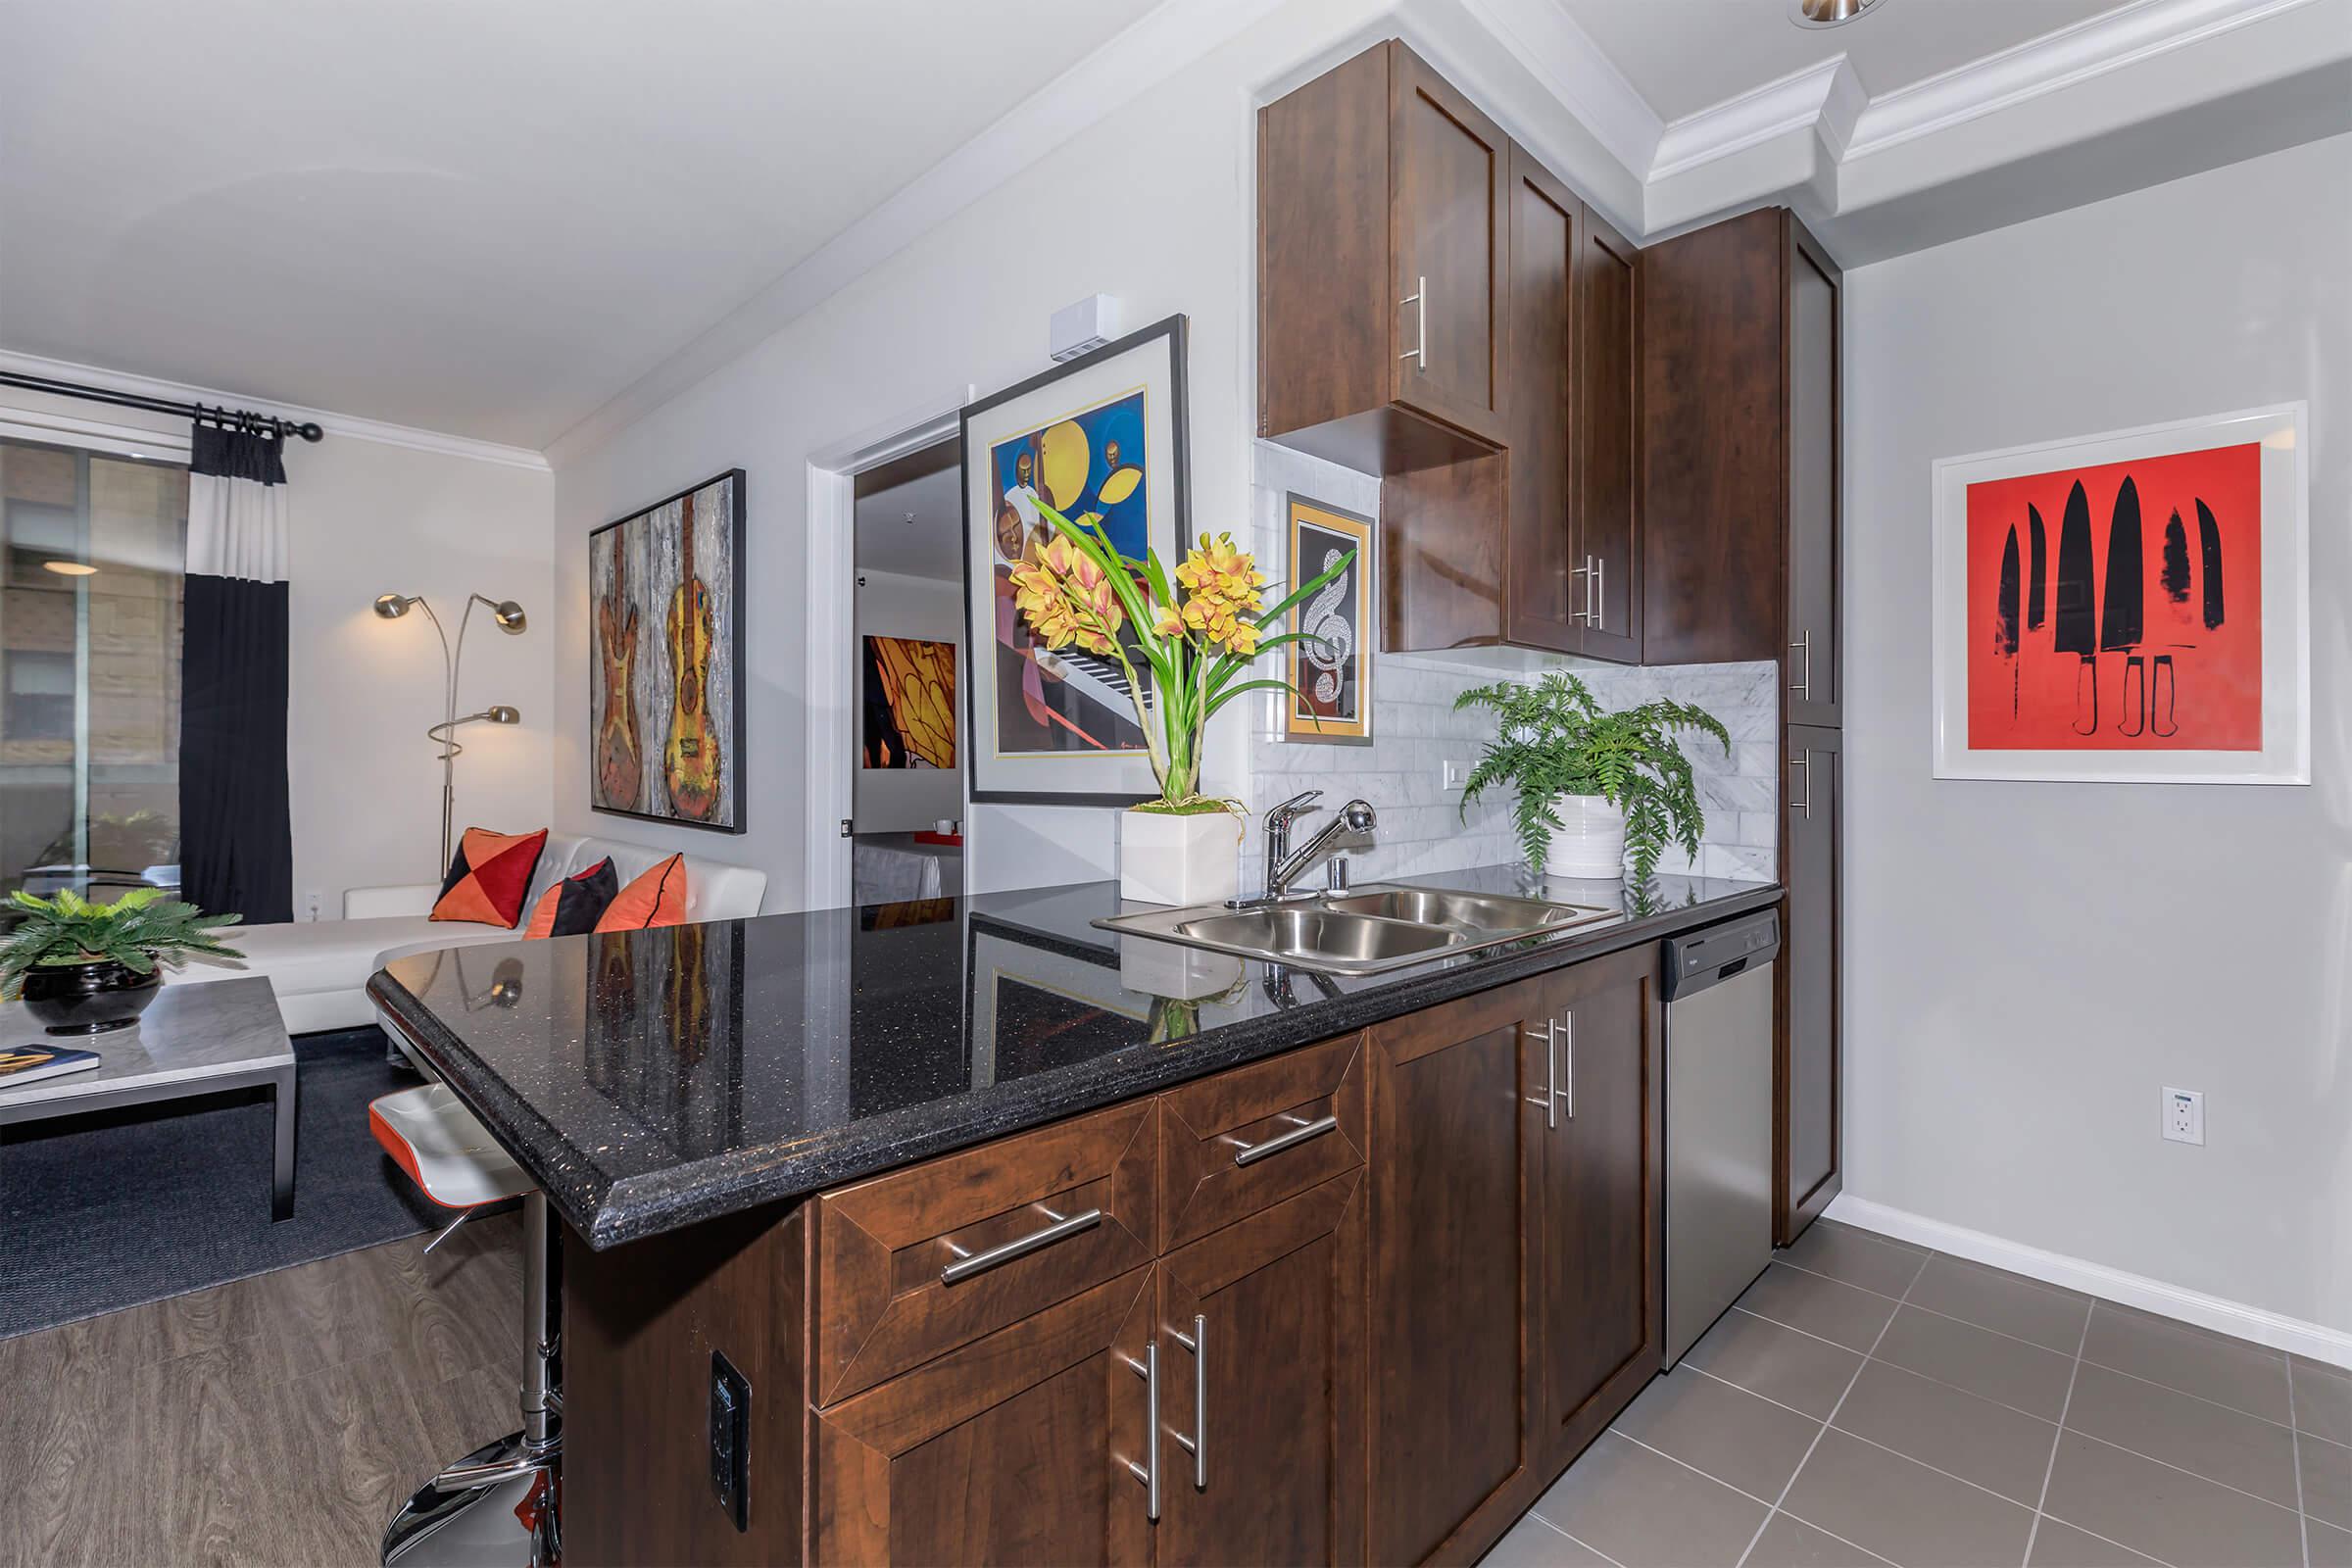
(665, 594)
(1104, 433)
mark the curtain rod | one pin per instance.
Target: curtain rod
(281, 428)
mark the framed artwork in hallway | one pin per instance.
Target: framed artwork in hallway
(2133, 606)
(1101, 434)
(665, 593)
(908, 698)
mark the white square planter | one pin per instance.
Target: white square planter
(1179, 859)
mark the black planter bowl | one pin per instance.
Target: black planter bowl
(88, 998)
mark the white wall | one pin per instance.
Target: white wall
(367, 519)
(902, 799)
(1160, 210)
(2028, 966)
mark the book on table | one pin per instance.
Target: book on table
(25, 1064)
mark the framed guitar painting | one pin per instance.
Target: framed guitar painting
(666, 673)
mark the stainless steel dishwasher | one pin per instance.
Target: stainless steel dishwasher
(1718, 1120)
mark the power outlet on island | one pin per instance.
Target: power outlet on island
(2184, 1115)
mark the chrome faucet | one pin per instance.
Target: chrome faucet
(1283, 866)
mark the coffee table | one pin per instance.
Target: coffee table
(194, 1039)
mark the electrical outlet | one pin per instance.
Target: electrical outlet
(2184, 1115)
(312, 903)
(1457, 774)
(731, 1441)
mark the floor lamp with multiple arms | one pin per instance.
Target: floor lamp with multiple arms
(510, 617)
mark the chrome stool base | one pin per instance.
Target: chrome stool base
(505, 1518)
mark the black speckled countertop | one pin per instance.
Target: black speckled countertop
(655, 1079)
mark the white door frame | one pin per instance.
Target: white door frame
(831, 715)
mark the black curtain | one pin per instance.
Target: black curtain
(236, 840)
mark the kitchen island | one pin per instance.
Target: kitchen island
(824, 1146)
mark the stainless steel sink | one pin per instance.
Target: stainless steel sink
(1361, 932)
(1307, 934)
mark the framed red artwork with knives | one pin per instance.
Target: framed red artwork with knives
(2131, 606)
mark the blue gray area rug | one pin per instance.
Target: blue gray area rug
(106, 1211)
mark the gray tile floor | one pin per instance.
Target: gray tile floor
(1871, 1401)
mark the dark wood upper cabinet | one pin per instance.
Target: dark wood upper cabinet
(1538, 546)
(1608, 440)
(1807, 1110)
(1455, 1140)
(1262, 1369)
(1597, 1213)
(1740, 421)
(1382, 315)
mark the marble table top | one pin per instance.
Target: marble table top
(190, 1031)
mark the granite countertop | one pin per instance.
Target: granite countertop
(654, 1079)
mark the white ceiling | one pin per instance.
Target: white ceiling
(915, 528)
(1683, 56)
(485, 217)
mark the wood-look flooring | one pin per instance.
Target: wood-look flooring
(270, 1421)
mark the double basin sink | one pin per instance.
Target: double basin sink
(1362, 932)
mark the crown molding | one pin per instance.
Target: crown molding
(2050, 64)
(1799, 101)
(1576, 71)
(343, 425)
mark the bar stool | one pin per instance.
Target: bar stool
(498, 1506)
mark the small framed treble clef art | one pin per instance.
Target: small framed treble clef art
(1330, 667)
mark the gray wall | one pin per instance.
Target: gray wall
(2028, 966)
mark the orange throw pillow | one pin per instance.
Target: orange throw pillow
(658, 897)
(489, 877)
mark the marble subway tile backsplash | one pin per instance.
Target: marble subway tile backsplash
(1417, 732)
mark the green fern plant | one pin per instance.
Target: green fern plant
(139, 930)
(1554, 739)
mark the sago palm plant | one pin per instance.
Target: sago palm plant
(138, 931)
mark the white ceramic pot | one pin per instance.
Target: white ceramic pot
(1179, 859)
(1590, 844)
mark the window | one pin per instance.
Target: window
(92, 547)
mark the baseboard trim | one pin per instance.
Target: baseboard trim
(2275, 1329)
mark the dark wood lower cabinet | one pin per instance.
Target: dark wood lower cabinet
(1376, 1344)
(1806, 1112)
(1596, 1216)
(1013, 1450)
(1270, 1388)
(1453, 1167)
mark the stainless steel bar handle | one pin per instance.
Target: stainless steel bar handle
(1197, 1443)
(1585, 571)
(1600, 593)
(1549, 1034)
(1252, 1153)
(1567, 1079)
(1805, 762)
(964, 1268)
(1803, 684)
(1419, 299)
(1148, 1471)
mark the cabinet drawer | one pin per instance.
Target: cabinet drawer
(916, 1263)
(1248, 1138)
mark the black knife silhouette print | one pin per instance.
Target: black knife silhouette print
(2074, 627)
(2123, 616)
(2209, 548)
(2036, 573)
(2004, 618)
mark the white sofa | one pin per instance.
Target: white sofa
(320, 968)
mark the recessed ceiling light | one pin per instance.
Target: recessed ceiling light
(70, 568)
(1829, 12)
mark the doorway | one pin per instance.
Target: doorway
(861, 491)
(906, 792)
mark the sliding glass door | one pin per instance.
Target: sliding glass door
(92, 548)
